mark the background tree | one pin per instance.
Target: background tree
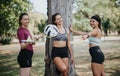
(64, 7)
(9, 13)
(83, 10)
(41, 26)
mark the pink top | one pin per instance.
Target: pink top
(23, 34)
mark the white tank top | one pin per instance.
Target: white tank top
(94, 40)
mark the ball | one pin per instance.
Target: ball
(51, 30)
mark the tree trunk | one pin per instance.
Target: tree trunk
(64, 7)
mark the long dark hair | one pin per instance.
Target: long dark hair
(98, 19)
(53, 18)
(20, 17)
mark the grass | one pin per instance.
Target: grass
(111, 49)
(8, 65)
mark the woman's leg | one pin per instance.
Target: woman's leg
(103, 70)
(65, 60)
(61, 66)
(96, 69)
(25, 61)
(25, 71)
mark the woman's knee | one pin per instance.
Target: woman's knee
(64, 69)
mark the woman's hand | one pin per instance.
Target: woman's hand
(72, 60)
(33, 43)
(47, 60)
(71, 28)
(74, 31)
(84, 37)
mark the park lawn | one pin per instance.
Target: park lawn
(111, 49)
(9, 66)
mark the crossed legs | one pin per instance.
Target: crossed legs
(62, 65)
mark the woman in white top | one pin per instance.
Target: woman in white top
(94, 38)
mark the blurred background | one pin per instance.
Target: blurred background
(108, 10)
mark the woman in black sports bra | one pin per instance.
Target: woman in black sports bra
(61, 46)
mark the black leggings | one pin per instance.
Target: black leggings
(25, 58)
(96, 54)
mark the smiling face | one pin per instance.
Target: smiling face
(94, 23)
(25, 20)
(58, 20)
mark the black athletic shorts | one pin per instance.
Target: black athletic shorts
(61, 52)
(25, 58)
(96, 54)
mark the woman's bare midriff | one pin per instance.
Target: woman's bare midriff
(59, 43)
(92, 45)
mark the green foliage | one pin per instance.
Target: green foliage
(84, 9)
(82, 25)
(41, 26)
(9, 13)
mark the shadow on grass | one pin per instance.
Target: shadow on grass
(8, 65)
(38, 64)
(116, 73)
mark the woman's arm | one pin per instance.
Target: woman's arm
(21, 37)
(78, 32)
(69, 46)
(91, 33)
(24, 45)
